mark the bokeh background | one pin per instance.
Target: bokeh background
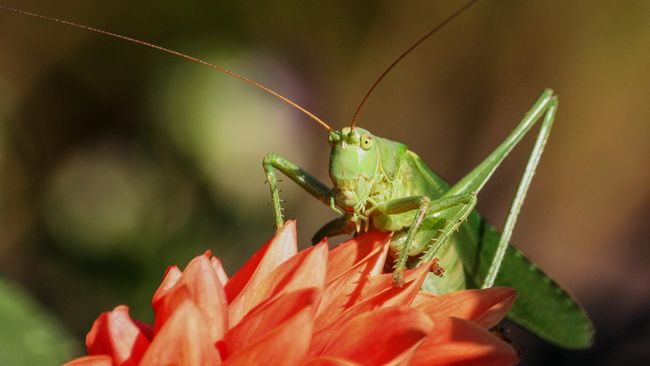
(117, 160)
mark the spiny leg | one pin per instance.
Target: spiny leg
(522, 189)
(305, 180)
(453, 219)
(425, 207)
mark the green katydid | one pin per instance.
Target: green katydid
(380, 184)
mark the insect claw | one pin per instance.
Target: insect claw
(397, 279)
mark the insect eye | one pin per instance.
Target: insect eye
(366, 142)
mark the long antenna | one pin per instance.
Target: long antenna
(175, 53)
(408, 50)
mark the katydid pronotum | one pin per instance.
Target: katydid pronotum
(379, 184)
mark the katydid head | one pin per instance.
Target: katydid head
(354, 166)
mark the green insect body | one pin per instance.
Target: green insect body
(379, 184)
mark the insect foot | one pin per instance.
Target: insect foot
(398, 282)
(436, 268)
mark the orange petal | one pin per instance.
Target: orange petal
(184, 340)
(304, 270)
(115, 334)
(218, 268)
(351, 252)
(207, 293)
(169, 304)
(287, 344)
(99, 360)
(343, 291)
(388, 296)
(356, 286)
(485, 307)
(382, 336)
(266, 317)
(172, 276)
(281, 247)
(458, 342)
(378, 284)
(330, 361)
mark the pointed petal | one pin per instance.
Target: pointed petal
(99, 360)
(184, 340)
(281, 247)
(287, 344)
(356, 286)
(343, 291)
(172, 276)
(115, 334)
(207, 293)
(378, 284)
(304, 270)
(265, 318)
(218, 268)
(169, 304)
(347, 254)
(382, 336)
(458, 342)
(391, 296)
(485, 307)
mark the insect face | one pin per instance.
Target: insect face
(354, 163)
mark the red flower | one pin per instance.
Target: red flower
(314, 307)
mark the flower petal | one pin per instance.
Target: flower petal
(304, 270)
(218, 268)
(351, 252)
(330, 361)
(98, 360)
(184, 340)
(169, 304)
(266, 317)
(276, 251)
(386, 295)
(207, 293)
(343, 291)
(356, 286)
(115, 334)
(486, 307)
(172, 276)
(382, 336)
(287, 344)
(458, 342)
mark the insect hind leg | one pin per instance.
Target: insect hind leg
(522, 189)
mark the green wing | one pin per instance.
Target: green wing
(542, 306)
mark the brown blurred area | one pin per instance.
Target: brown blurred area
(117, 160)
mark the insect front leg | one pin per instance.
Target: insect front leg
(425, 207)
(305, 180)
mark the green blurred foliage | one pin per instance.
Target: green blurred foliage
(29, 335)
(116, 160)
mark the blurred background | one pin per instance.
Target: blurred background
(117, 160)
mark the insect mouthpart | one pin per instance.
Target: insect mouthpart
(334, 137)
